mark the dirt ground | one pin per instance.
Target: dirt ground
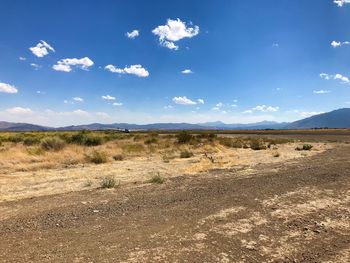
(294, 210)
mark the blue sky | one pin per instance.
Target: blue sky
(74, 62)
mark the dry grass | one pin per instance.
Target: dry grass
(26, 169)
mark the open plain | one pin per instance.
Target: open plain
(257, 197)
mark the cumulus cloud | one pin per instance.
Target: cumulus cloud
(22, 58)
(19, 110)
(117, 104)
(137, 70)
(187, 71)
(183, 101)
(172, 31)
(200, 101)
(321, 91)
(108, 97)
(265, 108)
(340, 3)
(337, 76)
(41, 49)
(7, 88)
(78, 99)
(133, 34)
(66, 64)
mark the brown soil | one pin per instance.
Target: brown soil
(281, 212)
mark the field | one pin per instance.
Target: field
(209, 196)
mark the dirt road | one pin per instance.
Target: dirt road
(293, 212)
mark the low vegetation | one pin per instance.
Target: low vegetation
(305, 147)
(55, 149)
(97, 157)
(108, 182)
(156, 179)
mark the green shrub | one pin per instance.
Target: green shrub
(186, 154)
(305, 147)
(97, 157)
(184, 137)
(257, 144)
(151, 140)
(19, 137)
(156, 179)
(84, 138)
(29, 141)
(108, 182)
(133, 148)
(52, 144)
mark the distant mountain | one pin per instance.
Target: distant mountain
(250, 126)
(11, 126)
(334, 119)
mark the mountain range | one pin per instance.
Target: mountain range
(335, 119)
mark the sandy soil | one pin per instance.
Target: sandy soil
(293, 211)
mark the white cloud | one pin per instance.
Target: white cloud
(265, 108)
(168, 107)
(337, 76)
(78, 99)
(340, 3)
(187, 71)
(248, 111)
(234, 105)
(342, 78)
(336, 44)
(22, 58)
(183, 101)
(172, 31)
(41, 49)
(170, 45)
(19, 110)
(35, 66)
(324, 76)
(200, 101)
(117, 104)
(66, 64)
(137, 70)
(133, 34)
(81, 112)
(321, 91)
(40, 92)
(215, 108)
(7, 88)
(220, 104)
(102, 114)
(306, 114)
(108, 97)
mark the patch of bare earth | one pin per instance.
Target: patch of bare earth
(297, 211)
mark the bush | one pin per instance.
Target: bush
(97, 157)
(118, 157)
(184, 137)
(52, 144)
(156, 179)
(16, 138)
(186, 154)
(108, 182)
(256, 144)
(29, 141)
(276, 154)
(305, 147)
(133, 148)
(83, 138)
(151, 140)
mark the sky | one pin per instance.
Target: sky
(77, 62)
